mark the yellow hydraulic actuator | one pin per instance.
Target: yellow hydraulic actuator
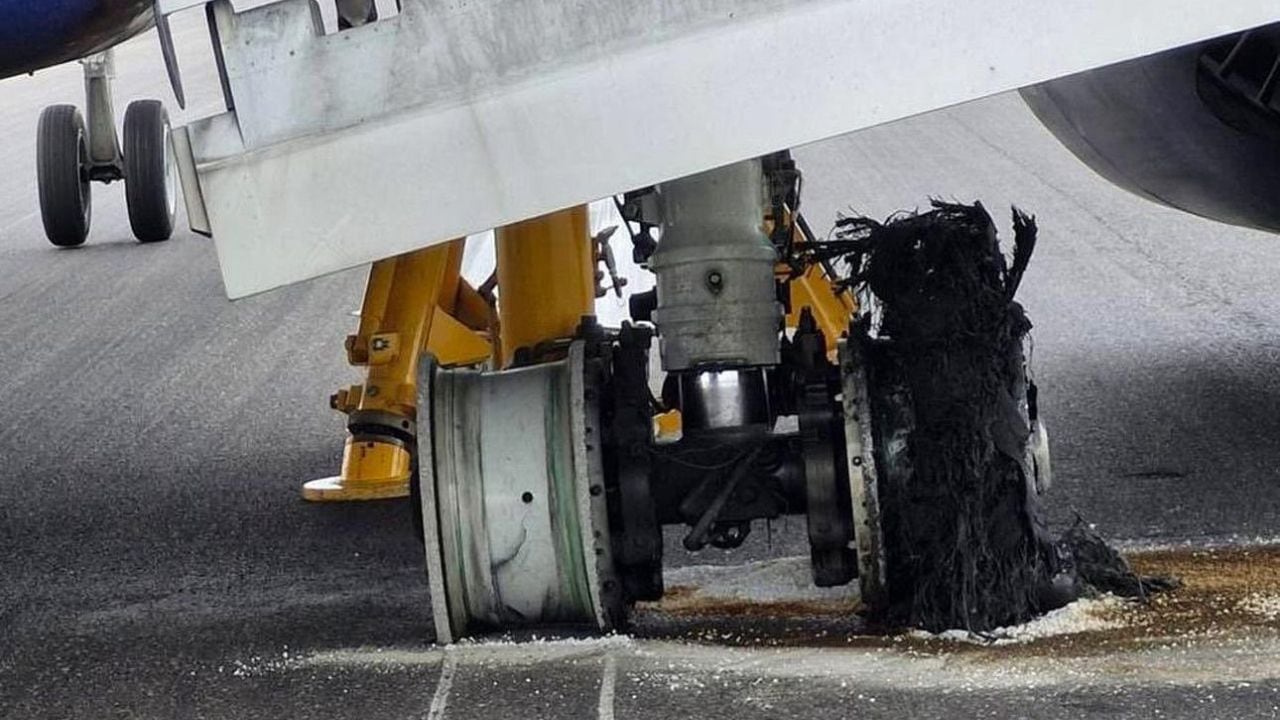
(832, 308)
(413, 301)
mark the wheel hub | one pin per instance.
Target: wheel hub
(515, 516)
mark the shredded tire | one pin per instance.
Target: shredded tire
(965, 540)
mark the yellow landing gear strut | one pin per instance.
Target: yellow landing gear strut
(832, 307)
(417, 302)
(412, 302)
(546, 281)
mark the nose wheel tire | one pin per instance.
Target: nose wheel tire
(151, 178)
(62, 168)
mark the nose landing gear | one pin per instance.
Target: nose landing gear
(150, 177)
(71, 154)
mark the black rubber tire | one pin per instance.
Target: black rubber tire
(62, 173)
(150, 179)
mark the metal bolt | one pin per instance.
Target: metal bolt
(380, 344)
(715, 281)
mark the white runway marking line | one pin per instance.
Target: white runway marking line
(608, 678)
(440, 701)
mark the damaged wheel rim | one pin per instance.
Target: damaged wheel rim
(515, 520)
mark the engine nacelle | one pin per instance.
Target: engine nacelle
(1196, 128)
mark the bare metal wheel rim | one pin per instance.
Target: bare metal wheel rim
(514, 511)
(170, 171)
(86, 190)
(863, 485)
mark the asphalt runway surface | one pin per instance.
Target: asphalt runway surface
(158, 562)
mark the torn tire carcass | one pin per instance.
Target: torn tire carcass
(965, 543)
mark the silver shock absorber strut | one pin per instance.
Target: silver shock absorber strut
(731, 374)
(717, 303)
(719, 323)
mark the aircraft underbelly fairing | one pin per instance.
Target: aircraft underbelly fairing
(35, 35)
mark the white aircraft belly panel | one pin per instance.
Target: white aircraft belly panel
(300, 194)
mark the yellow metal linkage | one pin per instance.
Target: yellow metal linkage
(546, 284)
(832, 309)
(409, 305)
(546, 279)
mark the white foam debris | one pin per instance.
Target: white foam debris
(778, 580)
(1197, 543)
(603, 642)
(1082, 616)
(1266, 606)
(691, 666)
(255, 666)
(503, 650)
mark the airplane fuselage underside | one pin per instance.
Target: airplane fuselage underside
(35, 35)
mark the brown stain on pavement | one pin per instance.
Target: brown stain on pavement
(1218, 601)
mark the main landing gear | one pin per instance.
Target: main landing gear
(543, 486)
(546, 462)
